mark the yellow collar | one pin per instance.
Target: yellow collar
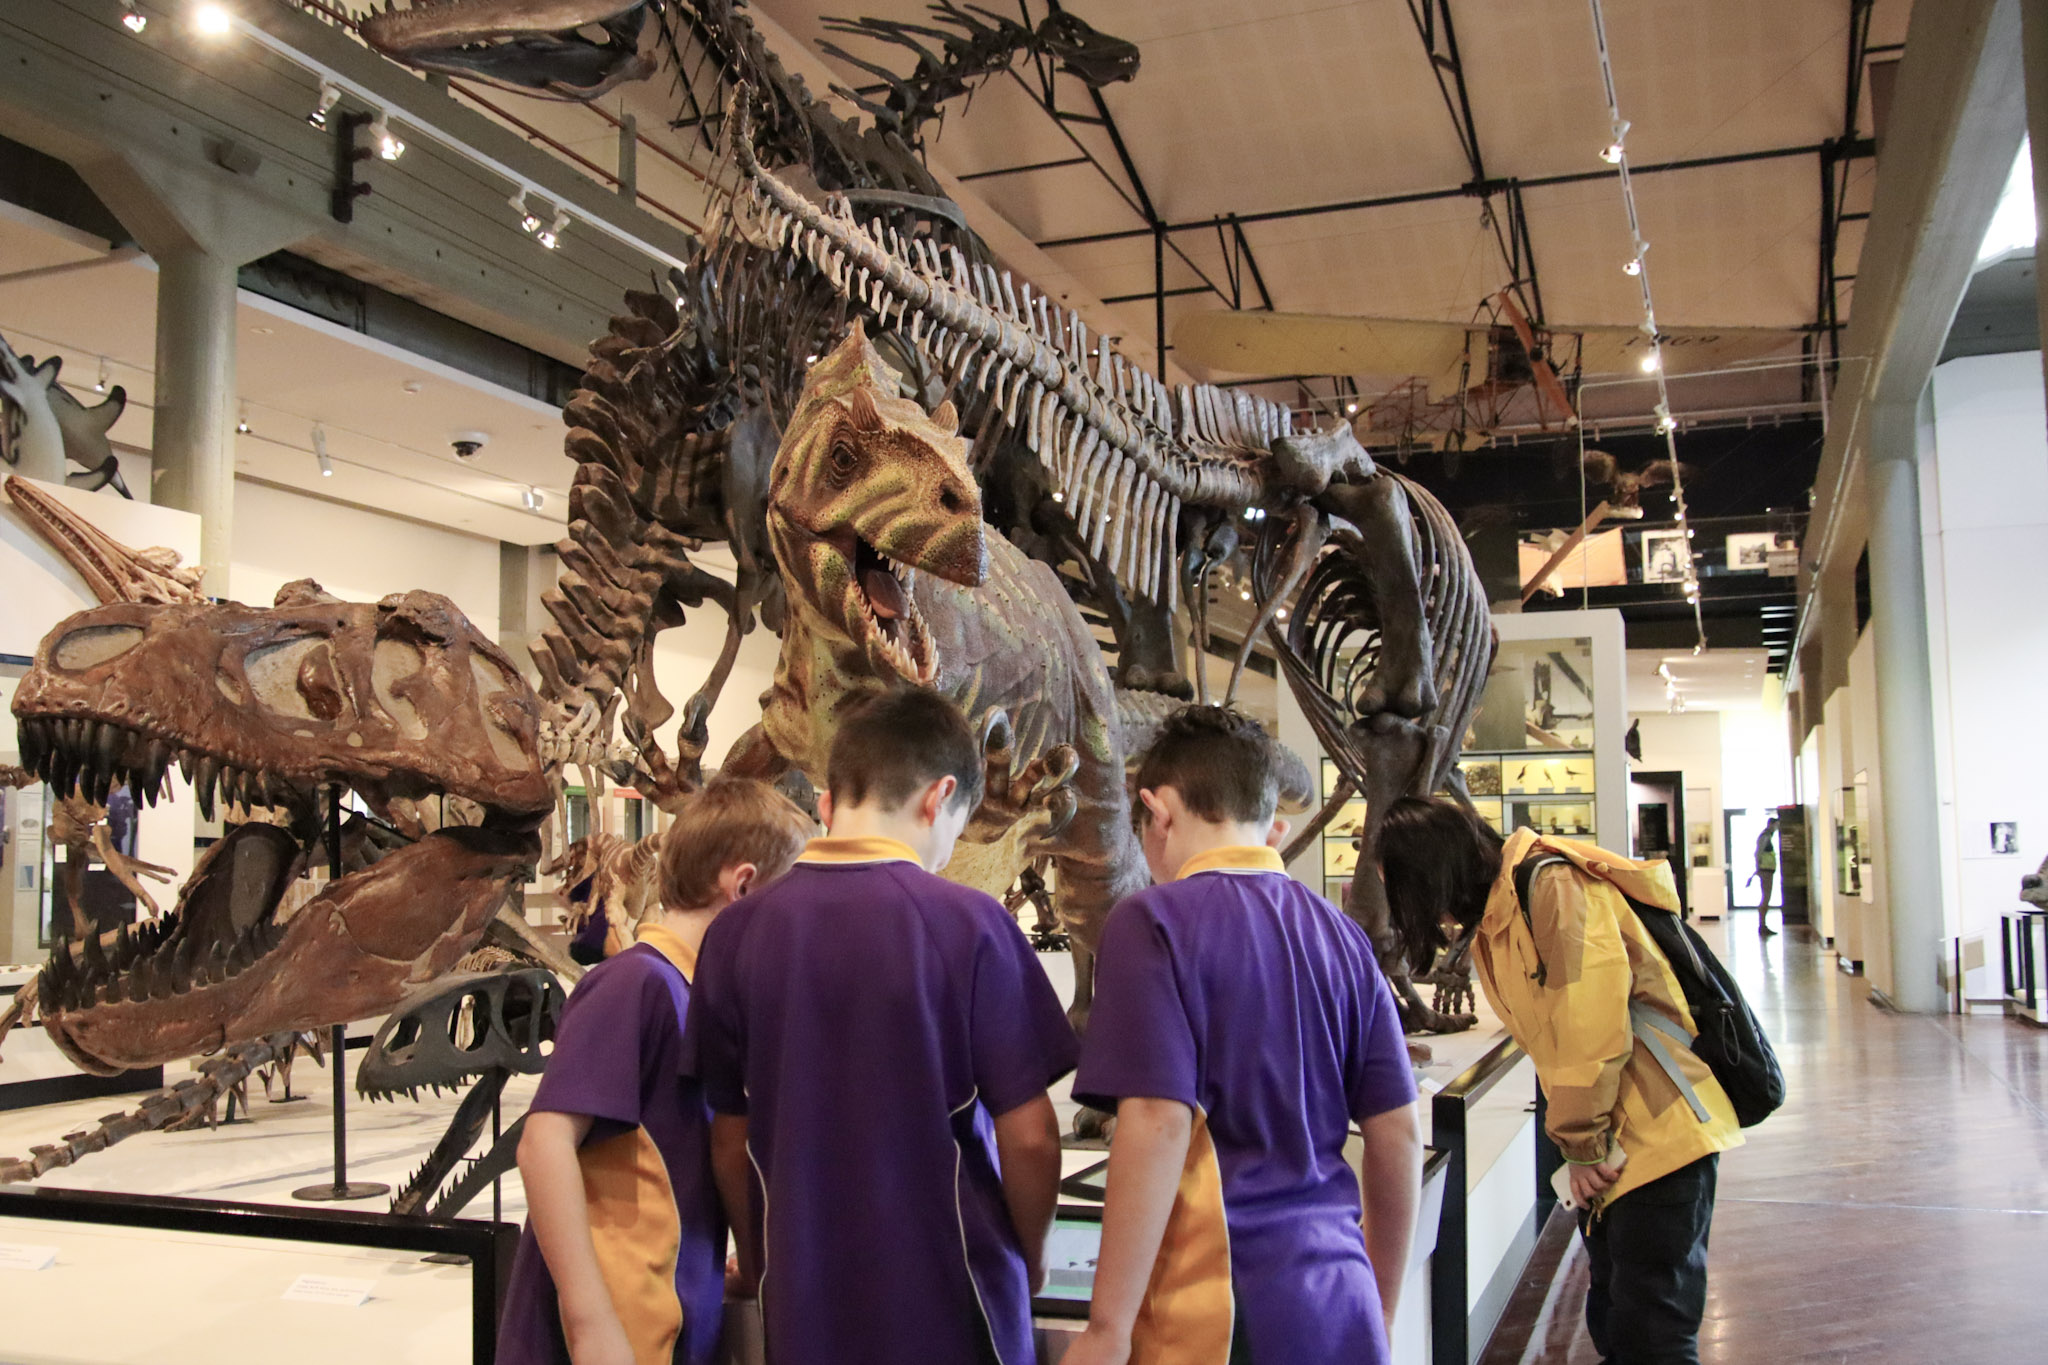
(670, 945)
(872, 848)
(1232, 858)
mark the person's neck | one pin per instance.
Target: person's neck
(687, 925)
(869, 821)
(1196, 837)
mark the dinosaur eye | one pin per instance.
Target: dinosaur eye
(844, 460)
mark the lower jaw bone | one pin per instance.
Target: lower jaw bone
(349, 953)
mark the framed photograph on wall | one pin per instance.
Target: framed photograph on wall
(1750, 551)
(1664, 556)
(2005, 836)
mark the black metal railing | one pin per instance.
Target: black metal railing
(1457, 1334)
(488, 1246)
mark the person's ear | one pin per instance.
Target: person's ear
(935, 798)
(825, 809)
(736, 880)
(1277, 835)
(1156, 809)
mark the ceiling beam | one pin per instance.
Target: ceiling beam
(1861, 148)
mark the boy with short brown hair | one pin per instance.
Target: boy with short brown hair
(1241, 1026)
(623, 1257)
(877, 1043)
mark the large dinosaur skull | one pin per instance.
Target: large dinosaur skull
(868, 491)
(401, 700)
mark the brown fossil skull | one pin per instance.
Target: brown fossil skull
(399, 700)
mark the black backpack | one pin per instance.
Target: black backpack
(1730, 1040)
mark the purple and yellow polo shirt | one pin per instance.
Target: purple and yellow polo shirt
(869, 1018)
(654, 1214)
(1256, 1003)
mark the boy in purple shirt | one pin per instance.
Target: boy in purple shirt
(623, 1257)
(877, 1043)
(1241, 1025)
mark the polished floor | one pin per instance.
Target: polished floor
(1895, 1212)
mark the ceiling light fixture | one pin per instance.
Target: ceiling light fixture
(320, 453)
(100, 385)
(330, 95)
(213, 20)
(1351, 409)
(529, 221)
(133, 19)
(551, 235)
(1638, 269)
(387, 143)
(242, 422)
(533, 499)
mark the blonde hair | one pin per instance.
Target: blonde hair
(733, 820)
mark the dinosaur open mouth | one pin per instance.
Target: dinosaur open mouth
(894, 626)
(186, 982)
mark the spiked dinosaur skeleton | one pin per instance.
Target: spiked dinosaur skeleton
(42, 425)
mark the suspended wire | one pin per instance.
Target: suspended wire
(1639, 267)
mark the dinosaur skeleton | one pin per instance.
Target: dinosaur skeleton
(545, 48)
(42, 425)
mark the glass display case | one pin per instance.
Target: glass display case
(1529, 755)
(1340, 839)
(1550, 792)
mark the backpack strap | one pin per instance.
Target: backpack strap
(1652, 1030)
(1525, 876)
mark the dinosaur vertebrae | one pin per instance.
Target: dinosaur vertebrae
(1123, 449)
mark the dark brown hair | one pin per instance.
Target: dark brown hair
(1437, 858)
(733, 820)
(893, 747)
(1219, 760)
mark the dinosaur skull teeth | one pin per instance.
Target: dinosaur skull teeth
(893, 624)
(151, 961)
(90, 758)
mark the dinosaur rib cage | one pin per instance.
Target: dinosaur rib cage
(1332, 644)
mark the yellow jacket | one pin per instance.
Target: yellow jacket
(1565, 995)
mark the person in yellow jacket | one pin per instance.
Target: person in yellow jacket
(1586, 993)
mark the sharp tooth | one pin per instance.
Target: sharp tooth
(110, 991)
(93, 955)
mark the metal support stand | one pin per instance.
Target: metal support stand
(340, 1187)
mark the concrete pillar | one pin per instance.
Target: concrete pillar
(1905, 710)
(193, 434)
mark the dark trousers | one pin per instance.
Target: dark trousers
(1649, 1255)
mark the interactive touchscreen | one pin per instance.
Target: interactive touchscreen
(1070, 1254)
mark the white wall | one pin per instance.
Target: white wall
(356, 555)
(1985, 521)
(1688, 742)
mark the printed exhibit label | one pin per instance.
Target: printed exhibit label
(329, 1289)
(22, 1256)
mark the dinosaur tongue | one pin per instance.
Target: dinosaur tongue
(885, 594)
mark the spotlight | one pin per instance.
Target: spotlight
(1651, 361)
(1666, 423)
(330, 95)
(100, 385)
(1611, 153)
(551, 235)
(242, 422)
(1058, 496)
(532, 499)
(1280, 615)
(1351, 409)
(213, 20)
(320, 453)
(383, 139)
(133, 19)
(1245, 593)
(529, 221)
(1634, 266)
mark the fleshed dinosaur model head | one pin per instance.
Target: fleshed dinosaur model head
(399, 700)
(868, 491)
(557, 49)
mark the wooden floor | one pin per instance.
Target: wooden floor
(1895, 1212)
